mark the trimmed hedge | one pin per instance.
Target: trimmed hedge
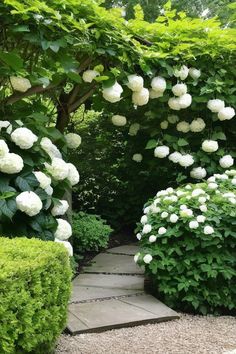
(35, 284)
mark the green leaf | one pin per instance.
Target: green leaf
(182, 142)
(218, 136)
(74, 77)
(12, 60)
(151, 144)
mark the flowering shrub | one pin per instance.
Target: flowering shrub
(187, 244)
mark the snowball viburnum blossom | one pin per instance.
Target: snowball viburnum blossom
(174, 218)
(118, 120)
(147, 228)
(140, 98)
(136, 257)
(135, 82)
(89, 75)
(193, 224)
(113, 93)
(24, 138)
(198, 173)
(20, 84)
(164, 124)
(11, 163)
(3, 148)
(208, 230)
(63, 231)
(158, 84)
(137, 157)
(186, 160)
(147, 258)
(215, 105)
(201, 218)
(226, 161)
(182, 72)
(29, 203)
(174, 104)
(183, 127)
(4, 124)
(210, 145)
(60, 208)
(67, 245)
(226, 113)
(51, 149)
(73, 174)
(175, 157)
(197, 125)
(162, 230)
(203, 208)
(43, 179)
(186, 213)
(179, 89)
(144, 219)
(185, 100)
(152, 238)
(194, 73)
(134, 128)
(73, 140)
(161, 151)
(59, 169)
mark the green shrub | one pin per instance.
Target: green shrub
(188, 245)
(90, 232)
(35, 288)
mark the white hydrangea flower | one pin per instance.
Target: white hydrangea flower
(155, 94)
(113, 94)
(63, 231)
(73, 140)
(60, 208)
(135, 82)
(174, 218)
(137, 158)
(134, 128)
(164, 215)
(208, 230)
(20, 84)
(152, 238)
(185, 100)
(118, 120)
(161, 151)
(172, 119)
(186, 160)
(49, 190)
(186, 213)
(174, 104)
(194, 73)
(24, 138)
(183, 127)
(226, 161)
(201, 218)
(43, 179)
(183, 207)
(144, 219)
(212, 185)
(67, 245)
(197, 125)
(193, 224)
(158, 84)
(140, 98)
(29, 203)
(170, 190)
(211, 179)
(188, 187)
(73, 174)
(179, 89)
(198, 173)
(3, 148)
(136, 257)
(51, 149)
(89, 75)
(139, 236)
(226, 113)
(231, 172)
(11, 163)
(210, 145)
(232, 200)
(4, 124)
(233, 181)
(164, 124)
(147, 228)
(215, 105)
(203, 208)
(59, 169)
(175, 157)
(162, 230)
(147, 258)
(182, 73)
(202, 200)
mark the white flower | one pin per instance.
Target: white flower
(208, 230)
(73, 175)
(89, 75)
(183, 127)
(164, 124)
(212, 185)
(226, 161)
(161, 151)
(203, 208)
(3, 148)
(226, 113)
(231, 172)
(147, 228)
(172, 119)
(63, 231)
(147, 210)
(197, 125)
(4, 124)
(24, 138)
(44, 180)
(186, 160)
(185, 100)
(135, 82)
(73, 140)
(170, 190)
(144, 219)
(194, 73)
(182, 73)
(29, 203)
(139, 236)
(179, 89)
(174, 218)
(201, 218)
(188, 187)
(215, 105)
(210, 145)
(20, 84)
(211, 179)
(155, 94)
(11, 163)
(174, 104)
(137, 157)
(113, 93)
(134, 128)
(51, 149)
(158, 84)
(162, 231)
(49, 190)
(136, 257)
(147, 258)
(59, 169)
(118, 120)
(152, 238)
(186, 213)
(175, 157)
(233, 181)
(141, 97)
(193, 224)
(183, 207)
(198, 173)
(164, 215)
(60, 208)
(67, 245)
(202, 200)
(232, 200)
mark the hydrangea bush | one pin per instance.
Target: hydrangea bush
(187, 244)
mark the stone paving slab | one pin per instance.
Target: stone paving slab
(129, 282)
(129, 250)
(113, 263)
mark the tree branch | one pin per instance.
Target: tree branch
(82, 99)
(33, 90)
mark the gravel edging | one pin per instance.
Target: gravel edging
(188, 335)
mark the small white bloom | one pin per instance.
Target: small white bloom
(60, 208)
(152, 238)
(186, 213)
(198, 173)
(162, 231)
(183, 127)
(212, 185)
(203, 208)
(147, 258)
(113, 93)
(158, 84)
(89, 75)
(20, 84)
(201, 218)
(197, 191)
(73, 174)
(186, 160)
(147, 228)
(231, 172)
(175, 157)
(210, 145)
(174, 218)
(141, 97)
(137, 157)
(202, 200)
(194, 73)
(58, 169)
(211, 179)
(161, 151)
(208, 230)
(185, 100)
(63, 231)
(226, 161)
(182, 73)
(23, 137)
(144, 219)
(11, 163)
(193, 224)
(233, 181)
(226, 113)
(179, 89)
(164, 124)
(3, 148)
(44, 180)
(134, 128)
(139, 236)
(5, 124)
(232, 200)
(215, 105)
(164, 215)
(136, 257)
(135, 82)
(197, 125)
(146, 210)
(49, 190)
(29, 203)
(174, 104)
(67, 245)
(118, 120)
(73, 140)
(183, 207)
(51, 149)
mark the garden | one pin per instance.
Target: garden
(118, 128)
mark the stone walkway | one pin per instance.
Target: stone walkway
(110, 294)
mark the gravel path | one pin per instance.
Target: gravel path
(188, 335)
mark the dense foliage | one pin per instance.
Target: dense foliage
(35, 289)
(187, 244)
